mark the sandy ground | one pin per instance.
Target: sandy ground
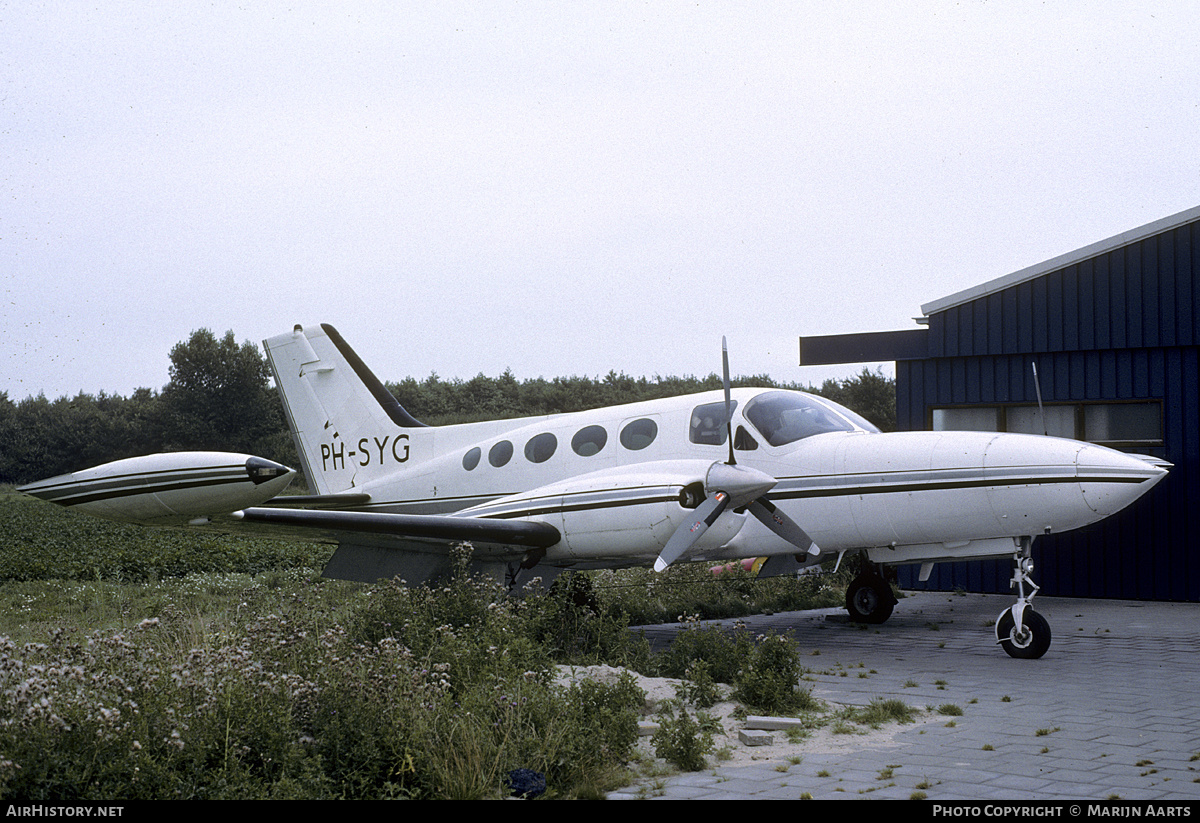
(734, 752)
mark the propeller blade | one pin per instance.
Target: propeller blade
(731, 484)
(692, 530)
(775, 520)
(728, 402)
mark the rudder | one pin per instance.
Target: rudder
(348, 427)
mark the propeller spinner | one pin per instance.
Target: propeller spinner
(730, 485)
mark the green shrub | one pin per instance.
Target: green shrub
(682, 740)
(576, 627)
(692, 590)
(724, 652)
(43, 541)
(233, 673)
(770, 680)
(603, 723)
(698, 688)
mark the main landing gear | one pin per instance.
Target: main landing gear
(1020, 630)
(869, 597)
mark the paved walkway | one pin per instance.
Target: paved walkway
(1111, 711)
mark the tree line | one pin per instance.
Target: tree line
(220, 397)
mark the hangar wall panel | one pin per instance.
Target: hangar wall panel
(1137, 296)
(1124, 325)
(1150, 551)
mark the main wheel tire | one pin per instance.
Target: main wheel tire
(1033, 641)
(869, 600)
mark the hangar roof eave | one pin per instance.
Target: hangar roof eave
(1062, 261)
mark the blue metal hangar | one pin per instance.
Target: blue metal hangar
(1110, 336)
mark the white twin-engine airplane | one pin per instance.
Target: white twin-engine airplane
(720, 476)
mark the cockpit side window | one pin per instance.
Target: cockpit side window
(856, 419)
(744, 441)
(709, 425)
(785, 417)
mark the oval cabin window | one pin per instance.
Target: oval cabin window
(590, 440)
(471, 458)
(639, 434)
(500, 453)
(541, 448)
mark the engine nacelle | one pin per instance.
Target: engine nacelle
(624, 513)
(166, 489)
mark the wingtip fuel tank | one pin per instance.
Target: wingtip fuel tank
(166, 489)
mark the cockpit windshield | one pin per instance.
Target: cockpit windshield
(784, 417)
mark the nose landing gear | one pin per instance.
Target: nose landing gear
(1022, 632)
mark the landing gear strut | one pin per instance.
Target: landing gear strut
(869, 598)
(1020, 630)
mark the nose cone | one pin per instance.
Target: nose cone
(1110, 480)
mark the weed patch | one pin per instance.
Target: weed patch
(150, 664)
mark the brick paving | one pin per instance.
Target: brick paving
(1111, 711)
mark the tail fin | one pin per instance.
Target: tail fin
(348, 428)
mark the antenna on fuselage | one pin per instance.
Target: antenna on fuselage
(1038, 388)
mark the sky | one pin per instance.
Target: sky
(559, 188)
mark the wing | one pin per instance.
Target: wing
(515, 534)
(379, 545)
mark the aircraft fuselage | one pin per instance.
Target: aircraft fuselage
(615, 480)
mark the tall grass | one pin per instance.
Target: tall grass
(270, 682)
(305, 700)
(39, 541)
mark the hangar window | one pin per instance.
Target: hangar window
(972, 419)
(1124, 425)
(1056, 421)
(639, 434)
(501, 453)
(541, 448)
(471, 458)
(1131, 424)
(709, 424)
(589, 440)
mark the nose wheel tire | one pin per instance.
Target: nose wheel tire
(1031, 642)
